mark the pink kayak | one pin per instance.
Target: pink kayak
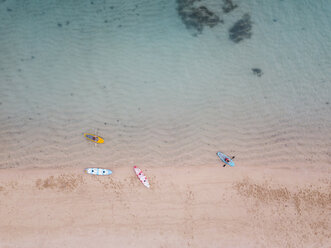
(141, 176)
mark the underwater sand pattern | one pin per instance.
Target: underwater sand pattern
(155, 93)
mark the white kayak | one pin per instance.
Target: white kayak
(98, 171)
(141, 176)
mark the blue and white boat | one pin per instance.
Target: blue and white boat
(98, 171)
(226, 159)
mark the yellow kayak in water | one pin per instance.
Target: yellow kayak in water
(94, 138)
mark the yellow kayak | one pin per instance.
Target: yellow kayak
(94, 138)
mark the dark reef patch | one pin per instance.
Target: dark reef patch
(241, 29)
(59, 25)
(228, 6)
(28, 59)
(196, 17)
(257, 71)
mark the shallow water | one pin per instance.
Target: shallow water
(159, 93)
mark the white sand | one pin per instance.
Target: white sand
(205, 206)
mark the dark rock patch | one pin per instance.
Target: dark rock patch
(257, 71)
(327, 103)
(59, 25)
(67, 23)
(196, 17)
(9, 10)
(241, 29)
(228, 6)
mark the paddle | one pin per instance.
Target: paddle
(97, 134)
(231, 159)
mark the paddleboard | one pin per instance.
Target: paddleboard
(223, 157)
(94, 138)
(98, 171)
(141, 176)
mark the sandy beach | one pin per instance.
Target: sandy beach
(205, 206)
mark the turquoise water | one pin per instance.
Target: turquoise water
(161, 91)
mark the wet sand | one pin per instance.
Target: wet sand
(190, 206)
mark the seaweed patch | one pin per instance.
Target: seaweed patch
(257, 71)
(241, 30)
(196, 17)
(228, 6)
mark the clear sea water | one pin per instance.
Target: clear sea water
(159, 93)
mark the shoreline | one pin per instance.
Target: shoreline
(202, 206)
